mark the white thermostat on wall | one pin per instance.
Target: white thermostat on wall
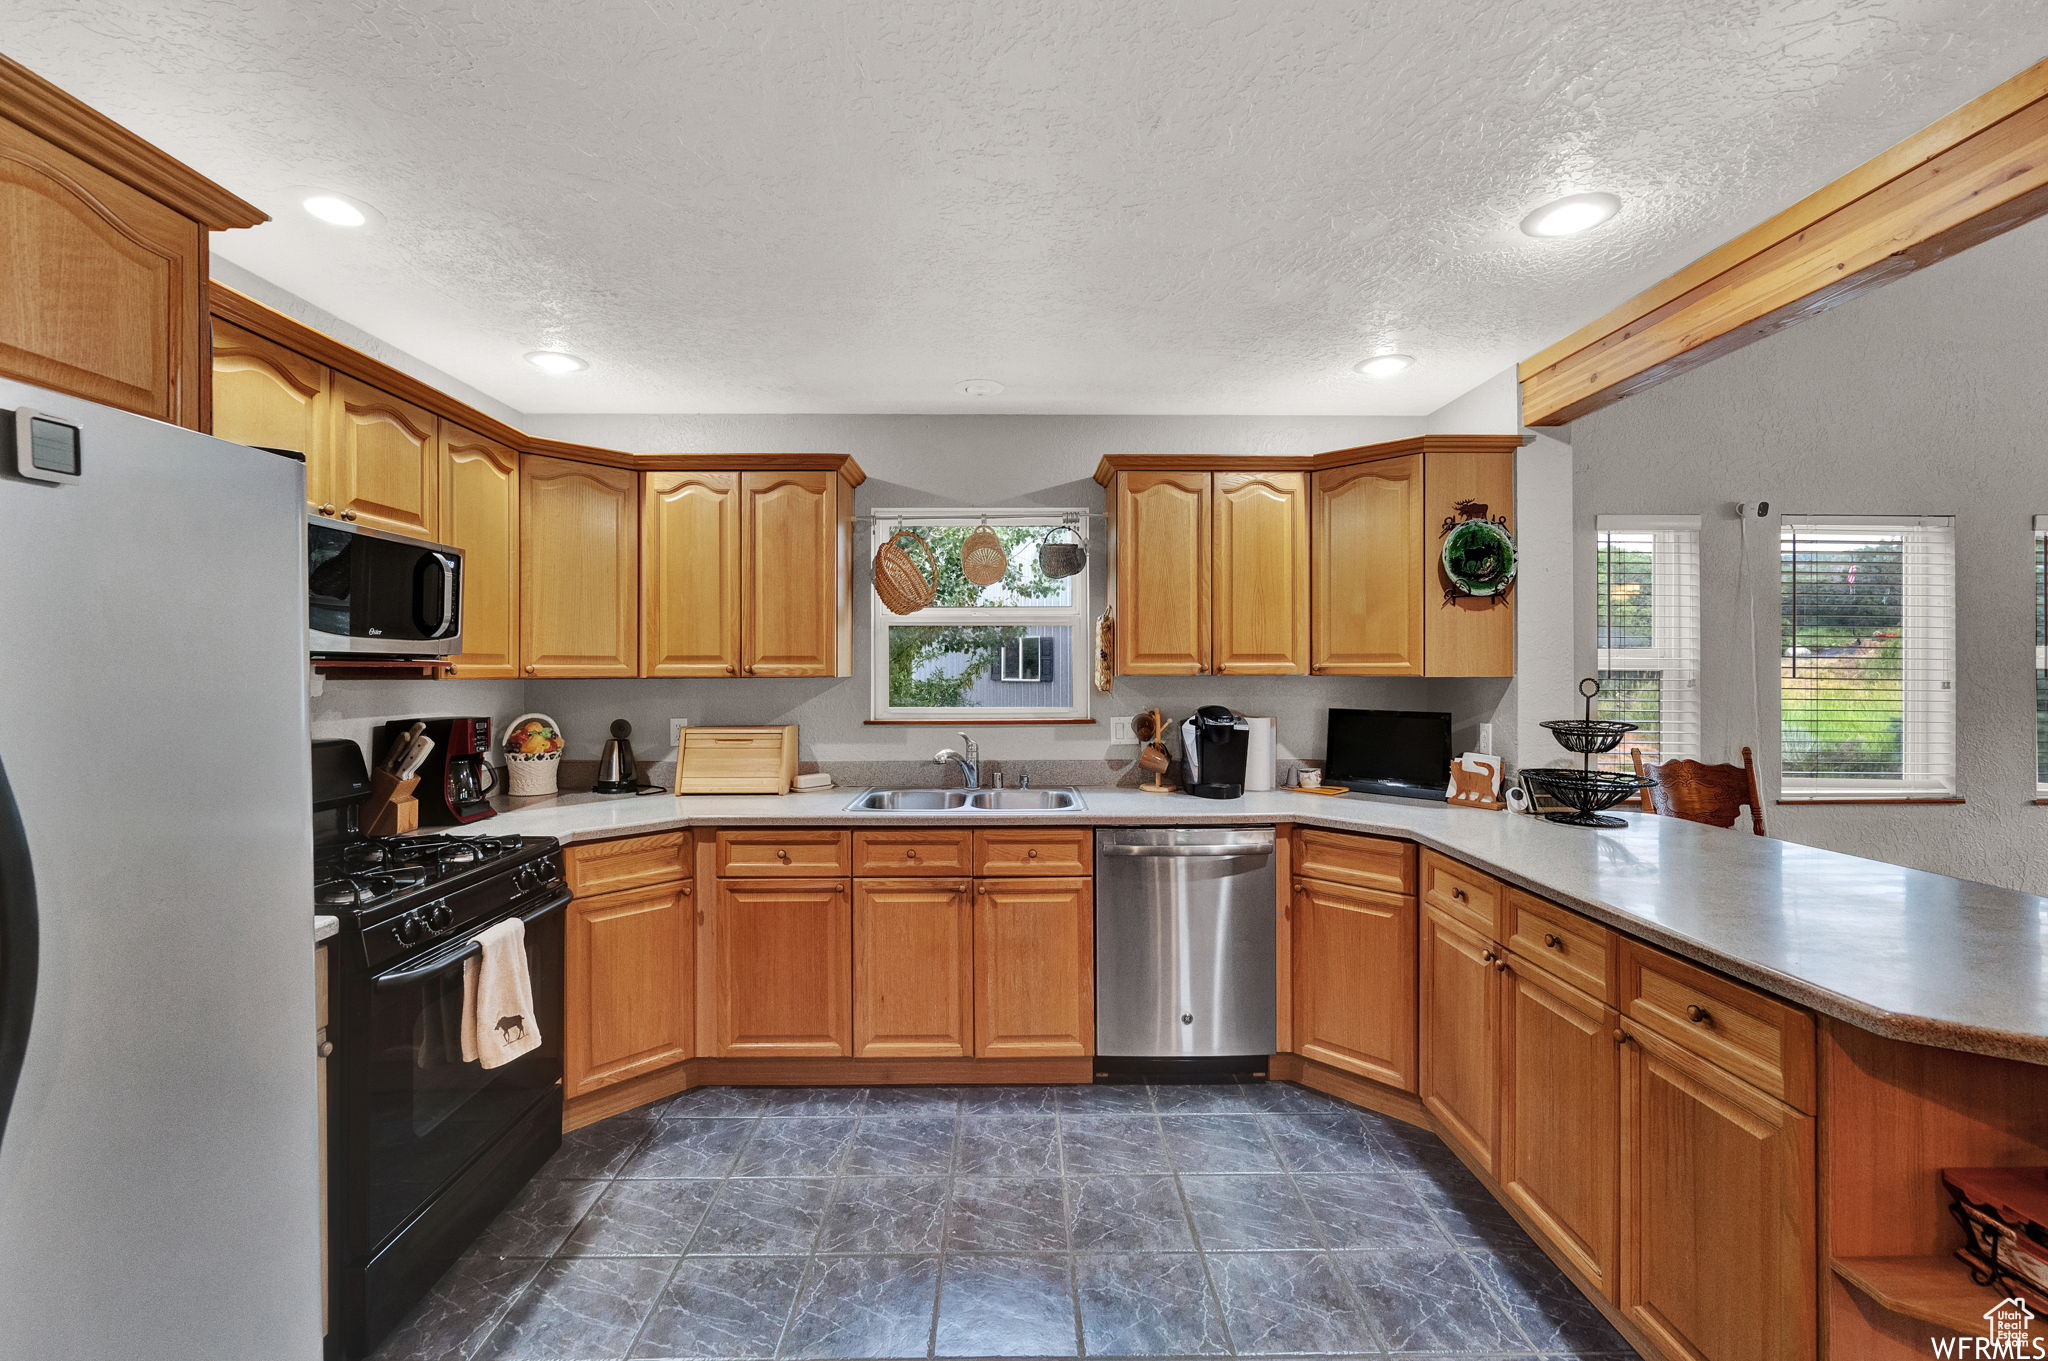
(47, 449)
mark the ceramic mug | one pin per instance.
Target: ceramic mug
(1309, 777)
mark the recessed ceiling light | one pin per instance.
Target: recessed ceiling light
(978, 387)
(335, 210)
(1384, 365)
(1570, 216)
(556, 362)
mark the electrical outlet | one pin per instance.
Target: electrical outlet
(1486, 739)
(675, 732)
(1121, 731)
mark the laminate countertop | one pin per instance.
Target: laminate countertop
(1904, 954)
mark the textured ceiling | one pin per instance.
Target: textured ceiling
(1145, 206)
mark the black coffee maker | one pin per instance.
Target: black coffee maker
(1214, 744)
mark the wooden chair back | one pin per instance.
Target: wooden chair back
(1699, 792)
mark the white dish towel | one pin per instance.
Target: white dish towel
(497, 998)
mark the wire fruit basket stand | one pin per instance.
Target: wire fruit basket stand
(1585, 792)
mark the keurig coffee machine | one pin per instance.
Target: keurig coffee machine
(1214, 744)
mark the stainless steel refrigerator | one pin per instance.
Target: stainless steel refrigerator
(158, 1157)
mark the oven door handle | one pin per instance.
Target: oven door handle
(407, 977)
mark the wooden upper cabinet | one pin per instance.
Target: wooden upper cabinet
(1467, 635)
(480, 515)
(1162, 573)
(913, 969)
(103, 290)
(1560, 1125)
(626, 985)
(1367, 589)
(1717, 1210)
(266, 395)
(797, 611)
(1034, 968)
(1459, 1018)
(579, 556)
(776, 969)
(690, 574)
(383, 469)
(1260, 574)
(1354, 980)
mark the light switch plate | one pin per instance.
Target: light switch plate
(1121, 732)
(675, 732)
(1486, 739)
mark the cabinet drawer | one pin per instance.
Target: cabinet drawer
(1462, 892)
(1562, 944)
(1756, 1038)
(1371, 862)
(1034, 850)
(911, 852)
(790, 854)
(626, 862)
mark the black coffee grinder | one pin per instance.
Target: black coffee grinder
(1214, 744)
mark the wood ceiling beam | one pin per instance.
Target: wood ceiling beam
(1980, 171)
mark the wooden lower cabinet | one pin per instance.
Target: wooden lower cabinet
(1717, 1210)
(626, 985)
(1354, 980)
(913, 968)
(1560, 1118)
(1459, 1021)
(776, 969)
(1034, 968)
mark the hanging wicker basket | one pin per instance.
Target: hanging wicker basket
(900, 583)
(983, 559)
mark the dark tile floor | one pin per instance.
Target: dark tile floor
(1250, 1220)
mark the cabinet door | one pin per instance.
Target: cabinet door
(102, 293)
(796, 607)
(384, 471)
(1034, 968)
(1717, 1209)
(1560, 1121)
(579, 555)
(480, 515)
(1467, 635)
(1259, 576)
(1354, 980)
(690, 575)
(626, 985)
(776, 970)
(1162, 574)
(1367, 581)
(266, 395)
(913, 969)
(1460, 1040)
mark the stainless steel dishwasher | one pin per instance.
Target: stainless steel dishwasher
(1184, 940)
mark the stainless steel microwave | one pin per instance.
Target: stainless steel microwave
(377, 594)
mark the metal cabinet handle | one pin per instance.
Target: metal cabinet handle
(1490, 957)
(1031, 854)
(1459, 894)
(688, 890)
(325, 1049)
(781, 854)
(910, 852)
(327, 508)
(1502, 966)
(1622, 1037)
(529, 670)
(1699, 1015)
(1552, 941)
(348, 514)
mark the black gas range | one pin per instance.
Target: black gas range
(425, 1148)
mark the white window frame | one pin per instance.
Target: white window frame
(1927, 672)
(1674, 651)
(1072, 616)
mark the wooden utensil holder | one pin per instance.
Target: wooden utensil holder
(391, 807)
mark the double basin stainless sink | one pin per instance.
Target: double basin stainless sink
(967, 801)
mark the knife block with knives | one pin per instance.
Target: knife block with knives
(391, 808)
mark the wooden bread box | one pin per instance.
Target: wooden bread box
(737, 760)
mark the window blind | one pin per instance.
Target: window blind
(1648, 621)
(1867, 656)
(2040, 655)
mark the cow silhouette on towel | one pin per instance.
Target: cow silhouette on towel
(508, 1024)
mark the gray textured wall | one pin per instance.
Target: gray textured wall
(1923, 397)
